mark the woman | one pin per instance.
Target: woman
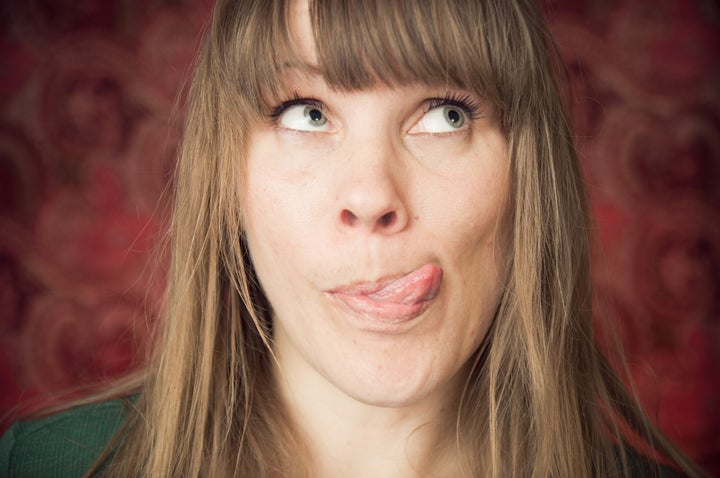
(380, 259)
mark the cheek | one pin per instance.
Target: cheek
(280, 215)
(473, 220)
(270, 232)
(271, 203)
(478, 239)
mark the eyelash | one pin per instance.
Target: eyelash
(470, 107)
(278, 110)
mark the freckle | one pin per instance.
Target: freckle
(416, 217)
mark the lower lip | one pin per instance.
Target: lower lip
(382, 315)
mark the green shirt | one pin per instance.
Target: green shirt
(63, 445)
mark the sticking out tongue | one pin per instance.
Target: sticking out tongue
(417, 286)
(393, 302)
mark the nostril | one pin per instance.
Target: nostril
(348, 218)
(388, 219)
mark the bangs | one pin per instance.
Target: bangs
(362, 43)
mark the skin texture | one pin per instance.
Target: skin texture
(381, 189)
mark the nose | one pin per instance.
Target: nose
(372, 197)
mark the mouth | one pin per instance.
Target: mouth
(394, 300)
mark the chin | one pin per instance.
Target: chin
(386, 398)
(393, 389)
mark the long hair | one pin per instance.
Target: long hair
(539, 400)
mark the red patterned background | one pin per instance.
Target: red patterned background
(87, 88)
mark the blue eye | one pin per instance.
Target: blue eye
(301, 116)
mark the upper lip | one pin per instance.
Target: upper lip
(366, 287)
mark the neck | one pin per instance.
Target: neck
(346, 437)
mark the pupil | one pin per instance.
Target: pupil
(315, 115)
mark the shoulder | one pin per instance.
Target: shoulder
(64, 444)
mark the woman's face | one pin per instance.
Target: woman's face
(374, 222)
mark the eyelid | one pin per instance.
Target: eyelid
(470, 106)
(296, 100)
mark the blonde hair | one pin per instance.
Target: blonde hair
(540, 399)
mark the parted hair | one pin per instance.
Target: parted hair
(540, 399)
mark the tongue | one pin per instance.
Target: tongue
(419, 285)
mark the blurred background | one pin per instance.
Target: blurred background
(88, 133)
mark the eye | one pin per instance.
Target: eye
(303, 117)
(444, 119)
(447, 115)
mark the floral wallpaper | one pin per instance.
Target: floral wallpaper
(89, 128)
